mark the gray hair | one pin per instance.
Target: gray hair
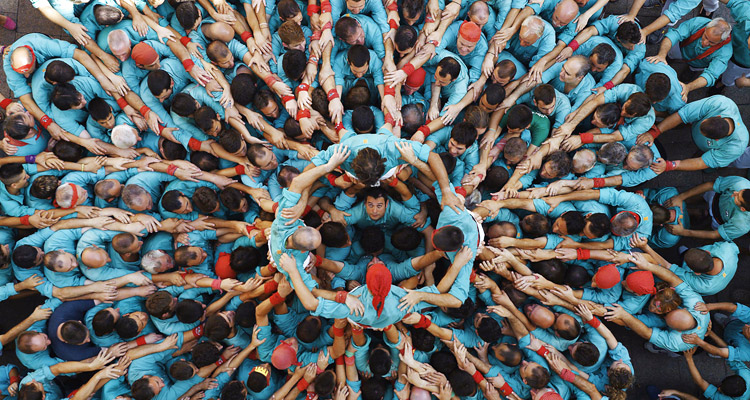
(724, 27)
(534, 24)
(642, 155)
(151, 261)
(612, 153)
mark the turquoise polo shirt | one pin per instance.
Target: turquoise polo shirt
(45, 49)
(632, 126)
(587, 47)
(706, 284)
(529, 55)
(280, 232)
(455, 90)
(474, 59)
(671, 339)
(736, 222)
(673, 102)
(740, 11)
(722, 152)
(576, 95)
(608, 27)
(714, 64)
(562, 106)
(661, 237)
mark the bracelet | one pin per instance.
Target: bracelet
(312, 9)
(4, 103)
(594, 322)
(325, 6)
(318, 260)
(171, 169)
(302, 114)
(574, 45)
(671, 165)
(583, 254)
(122, 102)
(216, 284)
(220, 361)
(270, 80)
(144, 110)
(245, 36)
(394, 182)
(313, 60)
(30, 159)
(198, 331)
(321, 212)
(185, 40)
(339, 127)
(141, 341)
(263, 25)
(389, 90)
(433, 42)
(188, 64)
(341, 296)
(83, 167)
(275, 207)
(609, 85)
(423, 323)
(542, 351)
(307, 210)
(45, 121)
(567, 375)
(270, 287)
(328, 25)
(425, 130)
(392, 7)
(408, 68)
(276, 299)
(340, 360)
(303, 87)
(392, 23)
(655, 131)
(586, 137)
(302, 385)
(478, 377)
(271, 268)
(239, 169)
(287, 98)
(349, 360)
(338, 332)
(194, 144)
(14, 379)
(506, 390)
(25, 220)
(388, 119)
(333, 94)
(460, 190)
(315, 35)
(161, 129)
(599, 182)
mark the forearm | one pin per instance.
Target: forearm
(690, 164)
(666, 44)
(11, 335)
(637, 326)
(441, 300)
(702, 234)
(717, 351)
(696, 375)
(658, 23)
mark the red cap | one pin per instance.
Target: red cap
(641, 282)
(607, 276)
(144, 54)
(284, 356)
(223, 270)
(470, 31)
(416, 79)
(551, 396)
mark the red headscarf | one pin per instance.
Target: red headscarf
(641, 282)
(378, 281)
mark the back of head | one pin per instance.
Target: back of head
(680, 320)
(243, 89)
(406, 238)
(699, 260)
(374, 388)
(534, 225)
(294, 63)
(368, 165)
(189, 311)
(605, 54)
(206, 353)
(612, 153)
(462, 383)
(657, 87)
(638, 104)
(448, 238)
(733, 386)
(372, 239)
(629, 33)
(73, 332)
(59, 71)
(363, 120)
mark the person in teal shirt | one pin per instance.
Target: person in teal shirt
(672, 101)
(629, 44)
(738, 67)
(472, 52)
(347, 73)
(452, 88)
(662, 237)
(576, 86)
(371, 8)
(538, 40)
(44, 49)
(557, 110)
(366, 29)
(716, 274)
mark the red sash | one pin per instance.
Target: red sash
(710, 50)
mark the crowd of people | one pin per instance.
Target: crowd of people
(368, 199)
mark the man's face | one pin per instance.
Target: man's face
(737, 197)
(166, 93)
(81, 103)
(215, 128)
(109, 122)
(355, 6)
(711, 37)
(359, 71)
(561, 17)
(485, 106)
(568, 73)
(527, 368)
(225, 62)
(358, 37)
(560, 227)
(464, 46)
(297, 46)
(627, 46)
(185, 206)
(150, 67)
(201, 256)
(456, 149)
(547, 171)
(546, 109)
(596, 66)
(271, 110)
(596, 120)
(268, 161)
(122, 53)
(496, 78)
(140, 318)
(375, 207)
(525, 38)
(228, 317)
(69, 263)
(155, 383)
(442, 81)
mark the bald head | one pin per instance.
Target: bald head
(220, 31)
(119, 44)
(419, 394)
(583, 161)
(22, 61)
(565, 12)
(479, 12)
(306, 238)
(540, 316)
(680, 320)
(94, 257)
(531, 30)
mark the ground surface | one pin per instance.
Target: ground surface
(651, 369)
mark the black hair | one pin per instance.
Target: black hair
(188, 311)
(99, 109)
(372, 239)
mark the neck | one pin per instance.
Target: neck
(672, 215)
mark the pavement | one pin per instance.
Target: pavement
(658, 370)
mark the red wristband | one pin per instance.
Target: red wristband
(567, 375)
(318, 260)
(198, 331)
(599, 182)
(542, 351)
(220, 361)
(586, 137)
(655, 131)
(239, 169)
(333, 94)
(271, 268)
(349, 360)
(302, 385)
(276, 299)
(389, 90)
(312, 9)
(670, 165)
(245, 36)
(609, 85)
(144, 110)
(583, 254)
(270, 287)
(194, 144)
(275, 207)
(121, 102)
(338, 331)
(328, 25)
(171, 169)
(216, 284)
(408, 68)
(392, 7)
(188, 64)
(506, 390)
(394, 182)
(478, 377)
(460, 190)
(161, 129)
(14, 379)
(141, 341)
(4, 103)
(185, 40)
(425, 130)
(270, 80)
(302, 114)
(321, 212)
(388, 119)
(287, 98)
(45, 121)
(423, 323)
(340, 360)
(357, 330)
(341, 296)
(307, 210)
(325, 6)
(339, 127)
(392, 23)
(574, 45)
(594, 322)
(25, 220)
(303, 87)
